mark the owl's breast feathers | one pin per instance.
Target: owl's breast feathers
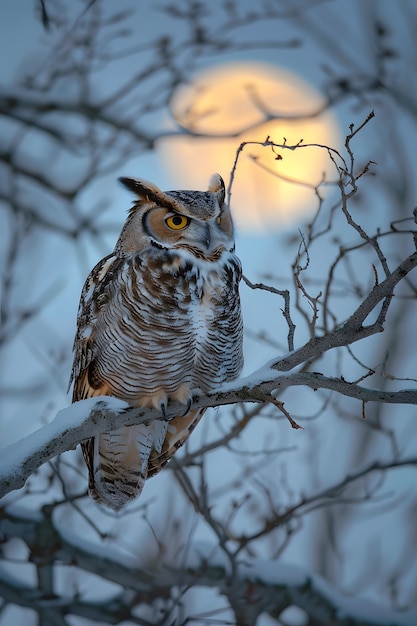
(142, 312)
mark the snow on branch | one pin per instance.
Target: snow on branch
(264, 586)
(87, 418)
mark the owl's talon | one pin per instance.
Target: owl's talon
(188, 407)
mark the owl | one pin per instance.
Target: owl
(158, 318)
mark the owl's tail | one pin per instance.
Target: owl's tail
(118, 461)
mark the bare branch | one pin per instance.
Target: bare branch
(273, 585)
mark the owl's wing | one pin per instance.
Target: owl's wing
(95, 297)
(117, 461)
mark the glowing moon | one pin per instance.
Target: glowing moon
(234, 97)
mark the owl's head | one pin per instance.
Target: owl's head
(198, 221)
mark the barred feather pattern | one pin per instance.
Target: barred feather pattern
(158, 318)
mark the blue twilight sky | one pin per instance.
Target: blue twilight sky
(338, 28)
(24, 42)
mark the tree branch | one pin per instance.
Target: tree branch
(353, 329)
(87, 418)
(259, 587)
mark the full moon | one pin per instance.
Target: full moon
(227, 105)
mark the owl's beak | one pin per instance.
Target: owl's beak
(206, 236)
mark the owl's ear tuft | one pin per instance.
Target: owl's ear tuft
(216, 185)
(144, 190)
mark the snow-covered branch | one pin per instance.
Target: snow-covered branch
(89, 417)
(258, 586)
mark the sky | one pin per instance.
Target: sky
(267, 248)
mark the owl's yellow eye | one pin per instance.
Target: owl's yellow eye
(218, 219)
(177, 222)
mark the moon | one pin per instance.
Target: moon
(227, 105)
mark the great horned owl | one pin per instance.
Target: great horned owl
(158, 317)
